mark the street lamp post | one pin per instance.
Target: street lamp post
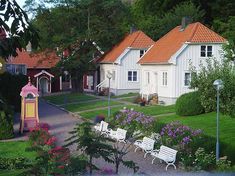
(218, 85)
(109, 76)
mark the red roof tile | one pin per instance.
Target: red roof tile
(136, 39)
(46, 59)
(170, 43)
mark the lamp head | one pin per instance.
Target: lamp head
(109, 75)
(0, 65)
(218, 84)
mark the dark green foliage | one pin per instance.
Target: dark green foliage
(92, 144)
(6, 121)
(14, 163)
(77, 165)
(11, 89)
(189, 104)
(19, 30)
(203, 81)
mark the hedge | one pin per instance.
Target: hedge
(189, 104)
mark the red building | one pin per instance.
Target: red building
(38, 67)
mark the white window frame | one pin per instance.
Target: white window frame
(164, 78)
(184, 78)
(132, 75)
(206, 51)
(143, 52)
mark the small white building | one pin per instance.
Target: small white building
(122, 62)
(165, 68)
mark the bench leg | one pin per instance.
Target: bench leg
(136, 149)
(168, 164)
(153, 160)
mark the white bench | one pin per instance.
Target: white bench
(147, 145)
(102, 127)
(165, 154)
(119, 135)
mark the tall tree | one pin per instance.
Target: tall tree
(158, 24)
(16, 30)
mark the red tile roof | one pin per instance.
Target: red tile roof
(170, 43)
(136, 39)
(46, 59)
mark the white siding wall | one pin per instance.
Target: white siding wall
(191, 55)
(104, 69)
(121, 84)
(156, 80)
(175, 73)
(129, 63)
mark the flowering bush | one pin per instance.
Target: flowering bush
(176, 134)
(51, 159)
(133, 121)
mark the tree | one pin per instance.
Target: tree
(203, 81)
(158, 24)
(17, 34)
(92, 144)
(78, 62)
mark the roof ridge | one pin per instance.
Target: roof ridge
(194, 31)
(135, 37)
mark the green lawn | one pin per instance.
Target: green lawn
(126, 95)
(71, 97)
(128, 99)
(13, 150)
(207, 122)
(148, 110)
(90, 105)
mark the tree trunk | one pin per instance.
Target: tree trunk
(77, 84)
(117, 166)
(90, 165)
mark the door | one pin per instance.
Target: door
(44, 85)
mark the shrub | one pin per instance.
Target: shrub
(189, 104)
(6, 121)
(203, 81)
(203, 160)
(14, 163)
(12, 87)
(133, 121)
(176, 134)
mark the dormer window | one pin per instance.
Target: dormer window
(206, 51)
(142, 52)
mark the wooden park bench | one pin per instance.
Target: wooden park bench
(165, 154)
(147, 145)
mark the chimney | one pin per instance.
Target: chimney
(132, 29)
(185, 21)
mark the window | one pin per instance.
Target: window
(142, 52)
(16, 69)
(132, 76)
(164, 78)
(206, 51)
(187, 79)
(209, 51)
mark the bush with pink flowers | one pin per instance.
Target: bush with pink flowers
(51, 159)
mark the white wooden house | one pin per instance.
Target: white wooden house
(121, 62)
(165, 68)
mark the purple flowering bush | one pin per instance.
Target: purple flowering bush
(176, 134)
(133, 121)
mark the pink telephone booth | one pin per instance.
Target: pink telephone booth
(29, 107)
